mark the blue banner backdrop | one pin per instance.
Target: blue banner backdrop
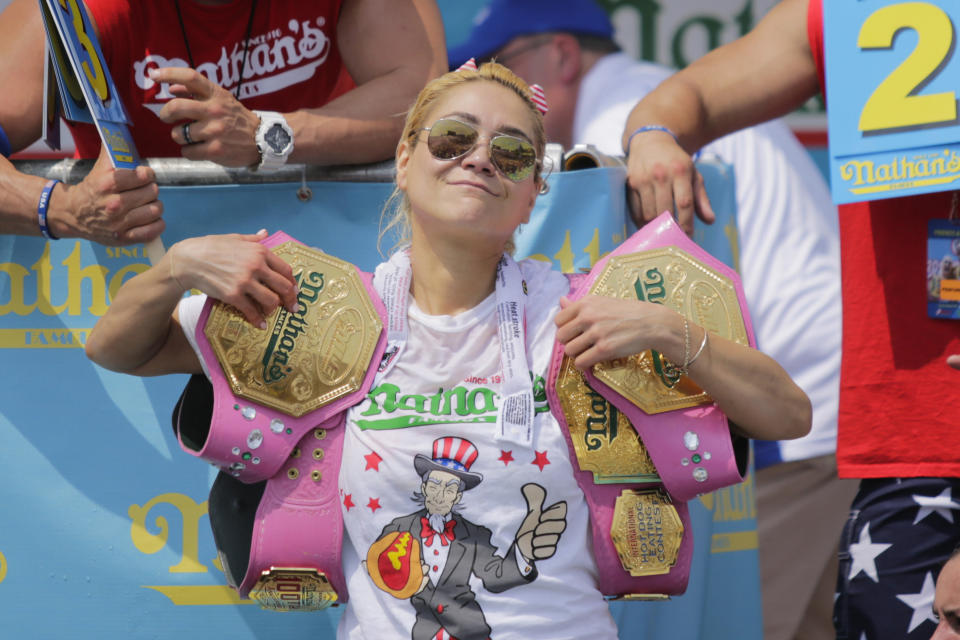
(104, 530)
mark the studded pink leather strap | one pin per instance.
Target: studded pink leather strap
(252, 441)
(691, 448)
(298, 521)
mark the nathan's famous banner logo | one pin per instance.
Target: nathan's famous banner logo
(51, 299)
(899, 171)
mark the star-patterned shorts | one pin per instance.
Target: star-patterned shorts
(899, 534)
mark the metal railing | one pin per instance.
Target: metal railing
(182, 172)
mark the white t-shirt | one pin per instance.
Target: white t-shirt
(789, 237)
(445, 385)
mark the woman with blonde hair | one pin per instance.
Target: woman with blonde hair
(500, 524)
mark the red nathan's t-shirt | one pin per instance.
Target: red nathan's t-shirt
(292, 58)
(899, 400)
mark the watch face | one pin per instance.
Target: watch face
(277, 137)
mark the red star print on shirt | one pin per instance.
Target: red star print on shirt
(541, 460)
(373, 504)
(348, 501)
(506, 457)
(373, 461)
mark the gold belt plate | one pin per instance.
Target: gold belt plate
(301, 361)
(293, 589)
(646, 532)
(604, 439)
(673, 278)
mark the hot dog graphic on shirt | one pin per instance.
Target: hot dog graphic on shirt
(428, 556)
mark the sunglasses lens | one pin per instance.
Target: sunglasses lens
(450, 139)
(515, 157)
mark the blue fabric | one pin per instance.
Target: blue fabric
(766, 453)
(503, 20)
(899, 534)
(5, 148)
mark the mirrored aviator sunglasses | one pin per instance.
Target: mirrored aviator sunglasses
(514, 157)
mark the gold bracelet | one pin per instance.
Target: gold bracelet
(699, 351)
(682, 370)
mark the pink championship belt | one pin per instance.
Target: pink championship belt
(646, 439)
(280, 397)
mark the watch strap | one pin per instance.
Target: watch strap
(269, 157)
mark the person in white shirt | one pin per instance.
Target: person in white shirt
(789, 260)
(468, 174)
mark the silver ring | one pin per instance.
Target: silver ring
(186, 133)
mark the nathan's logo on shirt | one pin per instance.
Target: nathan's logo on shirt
(276, 60)
(288, 327)
(391, 409)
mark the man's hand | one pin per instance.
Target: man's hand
(540, 530)
(661, 177)
(221, 129)
(110, 206)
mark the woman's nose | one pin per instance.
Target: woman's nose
(478, 158)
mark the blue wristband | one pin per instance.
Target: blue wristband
(657, 127)
(5, 148)
(42, 209)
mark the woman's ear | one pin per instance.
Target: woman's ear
(402, 160)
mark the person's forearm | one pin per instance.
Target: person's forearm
(752, 390)
(391, 49)
(750, 387)
(138, 323)
(676, 105)
(19, 195)
(360, 126)
(765, 74)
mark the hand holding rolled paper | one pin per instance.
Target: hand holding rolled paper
(110, 206)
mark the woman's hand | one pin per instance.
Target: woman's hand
(238, 270)
(598, 328)
(749, 386)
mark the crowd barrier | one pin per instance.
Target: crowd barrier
(104, 531)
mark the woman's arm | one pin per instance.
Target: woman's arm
(749, 386)
(141, 335)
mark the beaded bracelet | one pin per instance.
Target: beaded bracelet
(42, 210)
(657, 127)
(5, 148)
(687, 360)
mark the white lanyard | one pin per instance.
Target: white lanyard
(515, 415)
(392, 282)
